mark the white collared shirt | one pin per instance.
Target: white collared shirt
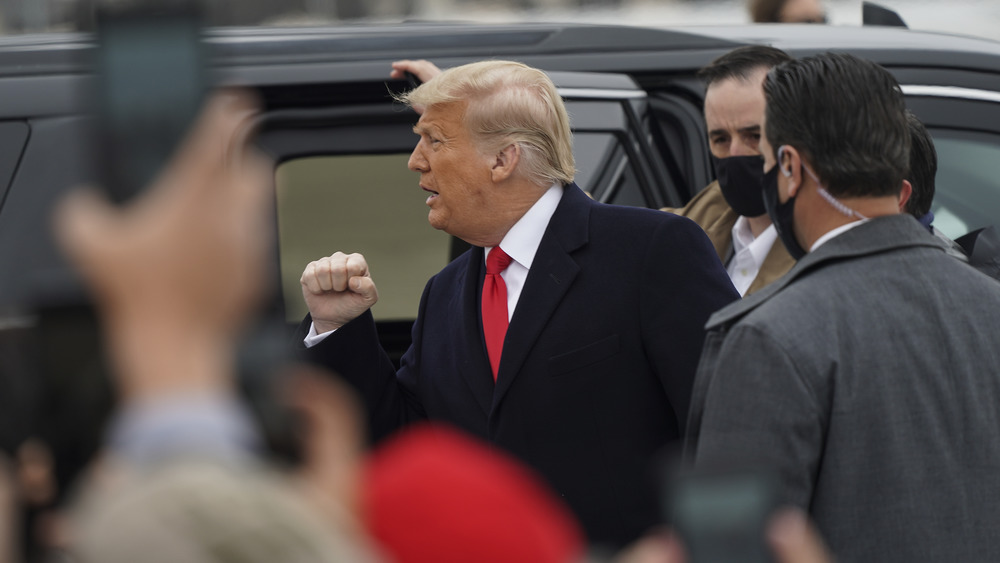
(749, 253)
(834, 232)
(520, 243)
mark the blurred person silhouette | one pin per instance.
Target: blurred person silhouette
(605, 304)
(787, 11)
(981, 247)
(923, 169)
(862, 376)
(731, 209)
(185, 476)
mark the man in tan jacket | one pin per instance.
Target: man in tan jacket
(731, 209)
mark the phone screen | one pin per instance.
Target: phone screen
(722, 517)
(151, 84)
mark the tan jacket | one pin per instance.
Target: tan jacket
(709, 209)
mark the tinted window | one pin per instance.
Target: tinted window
(369, 204)
(967, 194)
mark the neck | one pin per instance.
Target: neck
(759, 224)
(504, 213)
(810, 229)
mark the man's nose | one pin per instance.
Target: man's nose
(739, 148)
(417, 162)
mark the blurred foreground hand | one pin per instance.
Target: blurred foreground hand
(175, 272)
(791, 536)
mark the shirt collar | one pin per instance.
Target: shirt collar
(832, 233)
(522, 240)
(759, 246)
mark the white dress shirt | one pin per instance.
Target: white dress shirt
(749, 253)
(520, 243)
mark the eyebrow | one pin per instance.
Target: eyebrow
(425, 129)
(742, 130)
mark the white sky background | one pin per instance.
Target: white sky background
(968, 17)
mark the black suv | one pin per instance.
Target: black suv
(340, 142)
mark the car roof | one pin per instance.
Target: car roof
(608, 47)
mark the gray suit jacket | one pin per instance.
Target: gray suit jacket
(868, 379)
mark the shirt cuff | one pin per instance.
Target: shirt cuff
(313, 339)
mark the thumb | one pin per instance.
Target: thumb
(83, 224)
(794, 540)
(365, 287)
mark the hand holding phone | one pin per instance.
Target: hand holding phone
(722, 517)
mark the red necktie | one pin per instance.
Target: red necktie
(495, 306)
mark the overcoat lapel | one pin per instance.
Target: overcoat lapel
(552, 273)
(470, 342)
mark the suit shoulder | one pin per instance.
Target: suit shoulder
(455, 269)
(641, 217)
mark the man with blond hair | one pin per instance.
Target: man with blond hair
(574, 347)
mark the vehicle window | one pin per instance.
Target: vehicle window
(967, 194)
(604, 171)
(369, 204)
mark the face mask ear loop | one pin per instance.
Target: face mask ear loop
(836, 203)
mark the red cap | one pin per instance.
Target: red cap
(434, 495)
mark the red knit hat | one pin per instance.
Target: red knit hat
(433, 495)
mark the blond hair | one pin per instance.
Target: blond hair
(508, 103)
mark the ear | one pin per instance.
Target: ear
(505, 162)
(904, 195)
(790, 165)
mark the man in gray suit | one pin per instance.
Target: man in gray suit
(868, 378)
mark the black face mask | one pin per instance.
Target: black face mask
(740, 178)
(781, 214)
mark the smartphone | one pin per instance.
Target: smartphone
(152, 79)
(721, 516)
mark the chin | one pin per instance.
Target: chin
(436, 222)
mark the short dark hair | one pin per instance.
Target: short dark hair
(923, 167)
(846, 116)
(741, 63)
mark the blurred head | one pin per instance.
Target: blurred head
(734, 98)
(787, 11)
(434, 495)
(494, 136)
(846, 117)
(923, 168)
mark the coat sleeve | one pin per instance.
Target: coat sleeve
(684, 283)
(759, 412)
(354, 353)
